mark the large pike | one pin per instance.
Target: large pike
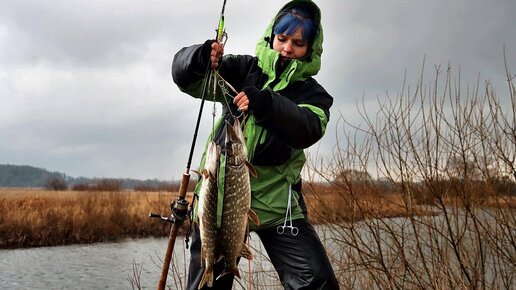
(237, 200)
(207, 213)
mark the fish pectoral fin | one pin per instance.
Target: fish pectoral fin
(246, 252)
(253, 217)
(197, 172)
(205, 173)
(251, 168)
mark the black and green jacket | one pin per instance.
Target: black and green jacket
(294, 117)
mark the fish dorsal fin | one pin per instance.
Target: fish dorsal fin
(251, 168)
(253, 217)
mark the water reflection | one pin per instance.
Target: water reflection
(111, 265)
(93, 266)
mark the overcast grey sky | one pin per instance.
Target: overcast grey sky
(85, 86)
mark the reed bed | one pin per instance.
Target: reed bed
(333, 204)
(38, 217)
(35, 217)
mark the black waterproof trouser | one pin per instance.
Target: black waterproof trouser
(301, 261)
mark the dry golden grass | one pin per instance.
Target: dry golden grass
(34, 217)
(328, 203)
(31, 217)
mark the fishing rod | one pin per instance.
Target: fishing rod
(180, 206)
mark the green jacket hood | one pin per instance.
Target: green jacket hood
(297, 69)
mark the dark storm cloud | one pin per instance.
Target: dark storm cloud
(85, 86)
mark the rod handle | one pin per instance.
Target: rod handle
(185, 180)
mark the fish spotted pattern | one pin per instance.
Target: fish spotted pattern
(208, 213)
(237, 200)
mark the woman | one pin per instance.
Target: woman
(286, 111)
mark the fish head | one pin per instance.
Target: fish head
(236, 141)
(212, 158)
(234, 132)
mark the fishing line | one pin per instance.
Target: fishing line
(214, 110)
(222, 83)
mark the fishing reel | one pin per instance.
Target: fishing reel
(180, 211)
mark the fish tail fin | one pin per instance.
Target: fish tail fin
(207, 278)
(232, 270)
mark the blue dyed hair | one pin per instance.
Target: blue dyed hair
(294, 18)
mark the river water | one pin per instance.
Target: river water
(115, 265)
(93, 266)
(102, 265)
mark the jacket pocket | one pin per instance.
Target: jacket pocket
(270, 150)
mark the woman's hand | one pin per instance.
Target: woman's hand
(217, 50)
(252, 99)
(242, 102)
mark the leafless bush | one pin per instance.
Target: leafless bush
(422, 195)
(162, 186)
(104, 184)
(135, 277)
(82, 187)
(109, 184)
(56, 184)
(441, 149)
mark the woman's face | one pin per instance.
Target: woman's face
(290, 47)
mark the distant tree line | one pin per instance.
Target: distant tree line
(29, 176)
